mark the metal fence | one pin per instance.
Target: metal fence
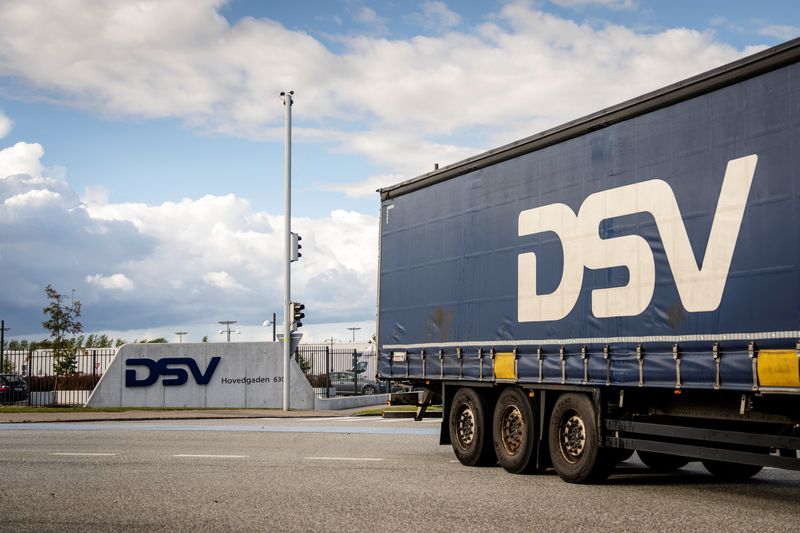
(336, 371)
(70, 388)
(332, 371)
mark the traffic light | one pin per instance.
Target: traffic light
(297, 315)
(295, 247)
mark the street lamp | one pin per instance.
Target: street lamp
(288, 101)
(180, 335)
(227, 324)
(354, 329)
(331, 341)
(271, 323)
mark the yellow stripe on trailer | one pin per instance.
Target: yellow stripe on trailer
(504, 367)
(779, 368)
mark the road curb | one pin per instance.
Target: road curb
(411, 414)
(123, 416)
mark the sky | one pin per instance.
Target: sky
(141, 142)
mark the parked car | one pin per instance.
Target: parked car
(13, 389)
(345, 384)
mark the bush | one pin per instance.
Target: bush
(318, 380)
(71, 382)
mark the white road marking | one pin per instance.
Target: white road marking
(343, 458)
(83, 454)
(211, 456)
(314, 419)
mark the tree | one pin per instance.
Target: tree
(8, 367)
(62, 321)
(205, 338)
(159, 340)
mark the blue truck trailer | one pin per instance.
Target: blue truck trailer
(627, 281)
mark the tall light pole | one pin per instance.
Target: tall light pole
(331, 341)
(354, 329)
(271, 323)
(180, 335)
(287, 240)
(227, 324)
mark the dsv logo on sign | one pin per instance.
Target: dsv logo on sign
(164, 367)
(699, 288)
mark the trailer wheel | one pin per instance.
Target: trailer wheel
(731, 471)
(469, 428)
(514, 431)
(574, 441)
(662, 462)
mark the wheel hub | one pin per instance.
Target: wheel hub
(465, 426)
(512, 429)
(573, 438)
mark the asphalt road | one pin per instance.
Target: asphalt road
(344, 474)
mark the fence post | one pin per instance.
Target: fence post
(327, 373)
(94, 369)
(30, 366)
(355, 372)
(2, 343)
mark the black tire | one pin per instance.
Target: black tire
(731, 471)
(617, 455)
(369, 389)
(574, 441)
(470, 428)
(514, 431)
(662, 462)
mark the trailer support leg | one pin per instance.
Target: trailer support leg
(427, 400)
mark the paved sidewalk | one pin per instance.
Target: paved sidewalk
(182, 414)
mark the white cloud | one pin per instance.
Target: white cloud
(783, 32)
(525, 71)
(5, 124)
(610, 4)
(222, 280)
(22, 158)
(33, 198)
(436, 16)
(115, 282)
(197, 260)
(367, 15)
(217, 249)
(95, 195)
(366, 188)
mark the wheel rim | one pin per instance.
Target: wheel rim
(572, 437)
(465, 426)
(512, 430)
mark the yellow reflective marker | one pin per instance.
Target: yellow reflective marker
(504, 367)
(778, 368)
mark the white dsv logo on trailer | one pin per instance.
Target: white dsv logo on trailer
(700, 288)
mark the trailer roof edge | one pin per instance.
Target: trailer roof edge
(725, 75)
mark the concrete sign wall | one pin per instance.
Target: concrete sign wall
(232, 374)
